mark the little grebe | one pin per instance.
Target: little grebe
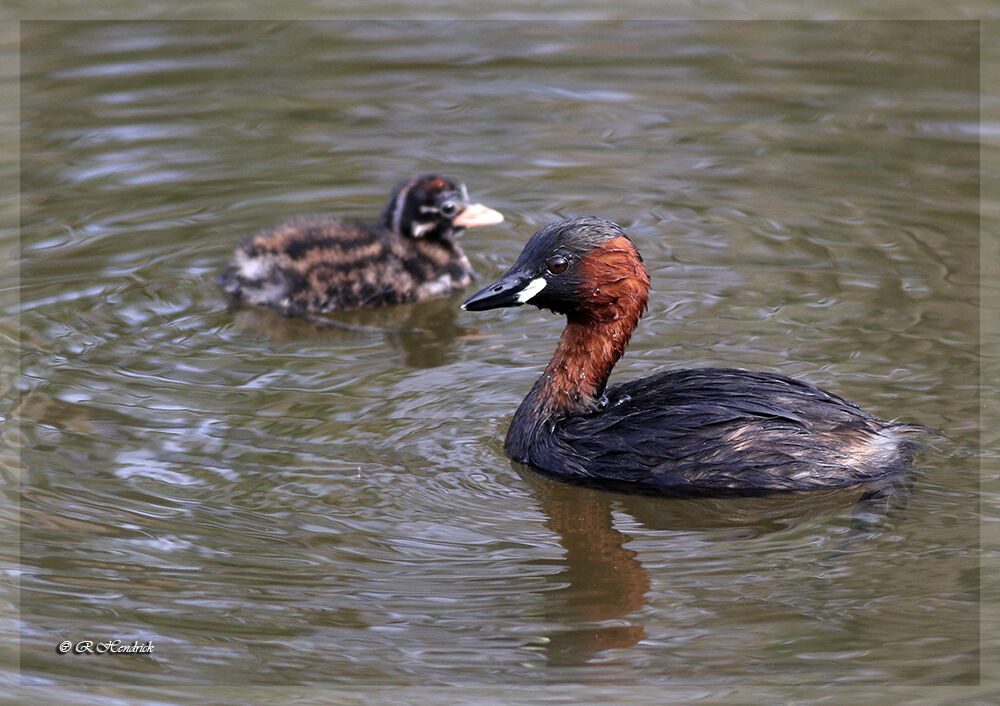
(709, 431)
(320, 264)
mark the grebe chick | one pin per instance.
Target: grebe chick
(708, 431)
(319, 264)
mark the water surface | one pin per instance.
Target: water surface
(269, 503)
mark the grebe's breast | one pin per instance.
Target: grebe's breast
(717, 430)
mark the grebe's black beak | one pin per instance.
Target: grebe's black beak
(513, 289)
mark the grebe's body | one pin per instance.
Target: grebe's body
(706, 431)
(319, 264)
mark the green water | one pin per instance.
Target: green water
(269, 504)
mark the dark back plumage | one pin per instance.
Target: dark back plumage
(716, 431)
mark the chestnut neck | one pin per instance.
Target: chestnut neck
(614, 291)
(577, 375)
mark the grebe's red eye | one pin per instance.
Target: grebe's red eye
(556, 264)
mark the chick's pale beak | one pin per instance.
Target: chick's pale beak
(477, 215)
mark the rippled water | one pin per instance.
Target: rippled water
(271, 504)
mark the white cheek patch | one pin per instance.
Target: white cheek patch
(531, 289)
(253, 268)
(420, 228)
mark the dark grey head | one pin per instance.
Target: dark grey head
(564, 266)
(430, 206)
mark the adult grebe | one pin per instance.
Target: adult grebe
(708, 431)
(319, 264)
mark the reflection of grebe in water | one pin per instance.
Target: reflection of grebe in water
(689, 432)
(603, 583)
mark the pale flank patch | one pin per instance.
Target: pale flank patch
(531, 289)
(437, 287)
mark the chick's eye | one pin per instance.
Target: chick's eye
(556, 264)
(449, 209)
